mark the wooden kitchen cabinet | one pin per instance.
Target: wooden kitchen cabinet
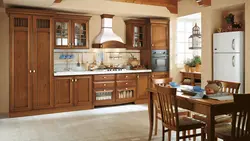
(73, 91)
(155, 75)
(71, 32)
(20, 63)
(42, 62)
(30, 62)
(159, 33)
(136, 34)
(142, 85)
(63, 90)
(126, 94)
(83, 90)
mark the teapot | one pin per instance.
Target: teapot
(213, 87)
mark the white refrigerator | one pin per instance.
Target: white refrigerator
(228, 57)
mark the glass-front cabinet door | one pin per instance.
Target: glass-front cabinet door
(62, 33)
(80, 34)
(125, 94)
(138, 36)
(103, 96)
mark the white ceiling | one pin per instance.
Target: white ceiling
(95, 7)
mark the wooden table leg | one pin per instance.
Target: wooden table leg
(210, 125)
(151, 115)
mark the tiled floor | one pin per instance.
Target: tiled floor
(119, 123)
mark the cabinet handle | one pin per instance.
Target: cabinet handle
(34, 71)
(138, 76)
(104, 90)
(126, 76)
(104, 84)
(126, 83)
(152, 45)
(75, 80)
(104, 77)
(72, 80)
(30, 71)
(126, 88)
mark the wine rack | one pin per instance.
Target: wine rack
(126, 94)
(104, 95)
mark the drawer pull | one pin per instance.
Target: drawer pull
(104, 84)
(126, 76)
(104, 77)
(104, 90)
(126, 83)
(126, 88)
(72, 80)
(75, 80)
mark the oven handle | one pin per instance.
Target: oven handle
(159, 56)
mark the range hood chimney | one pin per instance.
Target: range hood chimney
(107, 38)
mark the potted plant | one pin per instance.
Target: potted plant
(197, 60)
(186, 65)
(192, 65)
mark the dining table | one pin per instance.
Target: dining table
(208, 107)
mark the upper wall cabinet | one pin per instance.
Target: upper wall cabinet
(71, 32)
(159, 33)
(136, 34)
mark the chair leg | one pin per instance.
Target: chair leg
(203, 134)
(194, 132)
(188, 132)
(169, 135)
(156, 122)
(184, 135)
(177, 136)
(163, 133)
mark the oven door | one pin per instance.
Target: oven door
(160, 64)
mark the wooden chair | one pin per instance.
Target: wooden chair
(239, 130)
(228, 87)
(170, 117)
(163, 82)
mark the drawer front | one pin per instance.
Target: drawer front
(197, 76)
(126, 76)
(104, 77)
(103, 85)
(124, 84)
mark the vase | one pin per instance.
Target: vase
(186, 68)
(192, 69)
(198, 68)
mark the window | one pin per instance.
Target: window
(184, 30)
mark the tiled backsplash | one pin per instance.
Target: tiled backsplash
(107, 56)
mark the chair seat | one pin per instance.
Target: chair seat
(218, 119)
(187, 123)
(223, 131)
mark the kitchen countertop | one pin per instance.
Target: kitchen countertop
(73, 73)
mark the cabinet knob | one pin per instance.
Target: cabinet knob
(34, 71)
(126, 88)
(75, 80)
(104, 90)
(126, 76)
(153, 76)
(138, 76)
(104, 77)
(126, 83)
(30, 71)
(72, 80)
(152, 45)
(104, 84)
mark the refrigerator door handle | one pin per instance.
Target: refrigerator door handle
(233, 61)
(233, 44)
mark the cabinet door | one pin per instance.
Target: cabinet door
(42, 60)
(62, 33)
(63, 90)
(83, 90)
(103, 96)
(139, 36)
(80, 34)
(20, 63)
(160, 36)
(142, 85)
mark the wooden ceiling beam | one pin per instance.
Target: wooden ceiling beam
(171, 5)
(205, 2)
(57, 1)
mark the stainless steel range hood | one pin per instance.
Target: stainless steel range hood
(107, 38)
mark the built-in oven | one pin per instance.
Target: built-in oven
(160, 60)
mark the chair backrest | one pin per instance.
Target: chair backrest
(161, 82)
(241, 116)
(168, 106)
(230, 87)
